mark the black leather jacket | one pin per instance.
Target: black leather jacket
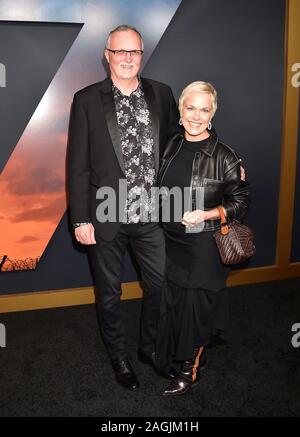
(216, 168)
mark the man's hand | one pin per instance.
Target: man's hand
(85, 234)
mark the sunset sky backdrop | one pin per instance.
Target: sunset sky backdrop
(32, 184)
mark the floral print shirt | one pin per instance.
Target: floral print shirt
(135, 130)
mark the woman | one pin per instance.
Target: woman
(194, 306)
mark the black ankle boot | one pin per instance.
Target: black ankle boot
(188, 376)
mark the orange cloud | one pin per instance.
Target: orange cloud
(27, 239)
(38, 180)
(47, 212)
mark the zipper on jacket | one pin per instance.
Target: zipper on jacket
(194, 178)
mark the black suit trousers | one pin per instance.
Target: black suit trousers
(107, 258)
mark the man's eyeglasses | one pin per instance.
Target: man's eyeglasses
(122, 53)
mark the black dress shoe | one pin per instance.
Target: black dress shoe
(189, 375)
(180, 385)
(125, 374)
(150, 361)
(184, 381)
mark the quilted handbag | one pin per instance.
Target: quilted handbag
(234, 241)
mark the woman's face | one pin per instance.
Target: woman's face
(197, 110)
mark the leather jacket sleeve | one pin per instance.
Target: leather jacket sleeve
(236, 192)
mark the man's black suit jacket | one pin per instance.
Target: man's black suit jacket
(95, 157)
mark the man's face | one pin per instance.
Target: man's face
(127, 66)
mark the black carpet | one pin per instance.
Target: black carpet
(54, 363)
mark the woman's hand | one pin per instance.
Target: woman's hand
(190, 219)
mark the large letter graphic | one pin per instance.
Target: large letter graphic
(32, 182)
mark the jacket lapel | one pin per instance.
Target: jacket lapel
(111, 119)
(154, 115)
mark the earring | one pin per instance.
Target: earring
(209, 126)
(180, 121)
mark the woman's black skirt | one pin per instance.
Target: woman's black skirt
(194, 309)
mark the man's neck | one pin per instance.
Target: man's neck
(126, 86)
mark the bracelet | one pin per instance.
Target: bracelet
(76, 225)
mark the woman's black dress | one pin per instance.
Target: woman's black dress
(194, 309)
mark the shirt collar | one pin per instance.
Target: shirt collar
(137, 91)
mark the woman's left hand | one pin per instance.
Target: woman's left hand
(190, 219)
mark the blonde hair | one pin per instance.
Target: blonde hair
(199, 87)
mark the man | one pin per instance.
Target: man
(118, 130)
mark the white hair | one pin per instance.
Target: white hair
(124, 28)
